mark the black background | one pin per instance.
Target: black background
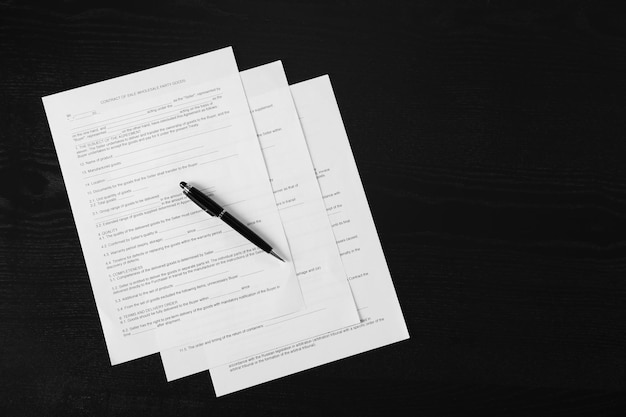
(491, 140)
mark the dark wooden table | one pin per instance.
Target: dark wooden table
(494, 133)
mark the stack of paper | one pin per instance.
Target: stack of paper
(169, 278)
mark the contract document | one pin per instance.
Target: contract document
(381, 321)
(327, 295)
(163, 271)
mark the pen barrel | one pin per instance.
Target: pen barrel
(243, 230)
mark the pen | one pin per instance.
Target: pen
(214, 209)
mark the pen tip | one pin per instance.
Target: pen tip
(276, 256)
(183, 184)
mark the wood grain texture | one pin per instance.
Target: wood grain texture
(494, 132)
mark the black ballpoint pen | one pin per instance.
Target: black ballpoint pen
(214, 209)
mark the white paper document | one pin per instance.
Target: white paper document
(381, 321)
(328, 298)
(163, 271)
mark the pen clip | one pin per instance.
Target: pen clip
(203, 201)
(199, 203)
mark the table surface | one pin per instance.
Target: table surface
(490, 139)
